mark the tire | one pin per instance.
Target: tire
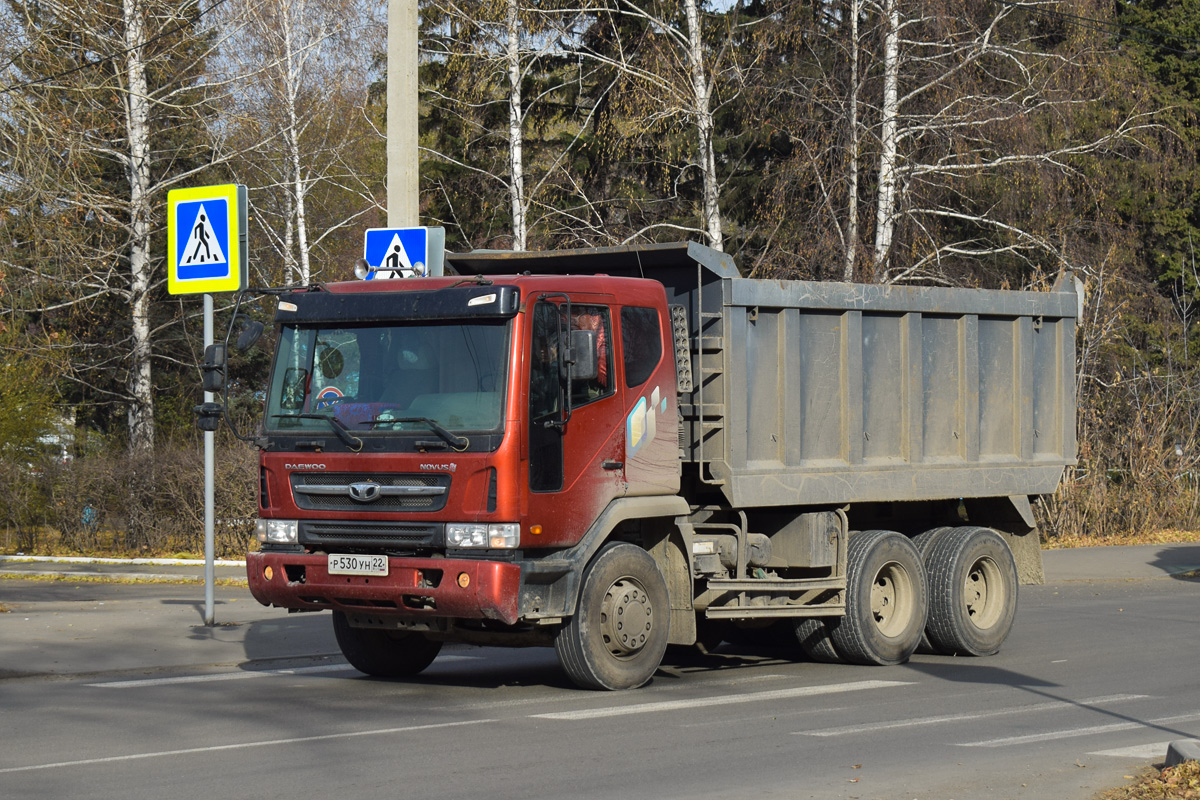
(618, 635)
(384, 654)
(815, 637)
(924, 542)
(886, 600)
(973, 592)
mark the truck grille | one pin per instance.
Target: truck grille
(326, 534)
(370, 492)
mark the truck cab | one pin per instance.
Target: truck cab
(435, 451)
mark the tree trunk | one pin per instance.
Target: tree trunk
(852, 167)
(137, 121)
(516, 184)
(291, 79)
(885, 206)
(704, 128)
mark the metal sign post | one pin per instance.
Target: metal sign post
(207, 252)
(210, 467)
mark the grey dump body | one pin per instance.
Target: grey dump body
(801, 393)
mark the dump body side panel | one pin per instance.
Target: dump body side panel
(838, 393)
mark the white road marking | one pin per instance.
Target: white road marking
(1071, 732)
(222, 676)
(241, 745)
(237, 676)
(723, 700)
(1146, 752)
(917, 721)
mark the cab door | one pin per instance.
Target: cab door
(576, 434)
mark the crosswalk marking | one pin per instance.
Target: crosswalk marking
(243, 745)
(675, 705)
(1142, 752)
(1068, 733)
(936, 720)
(237, 676)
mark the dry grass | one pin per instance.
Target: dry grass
(1158, 536)
(101, 578)
(1173, 783)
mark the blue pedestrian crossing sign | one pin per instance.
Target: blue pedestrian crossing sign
(403, 252)
(206, 239)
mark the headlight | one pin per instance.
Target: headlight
(277, 531)
(476, 534)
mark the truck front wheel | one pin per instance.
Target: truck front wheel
(618, 636)
(383, 654)
(886, 600)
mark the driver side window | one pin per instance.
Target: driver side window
(545, 400)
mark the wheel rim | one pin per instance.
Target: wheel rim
(626, 618)
(892, 599)
(984, 593)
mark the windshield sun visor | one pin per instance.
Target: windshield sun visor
(455, 302)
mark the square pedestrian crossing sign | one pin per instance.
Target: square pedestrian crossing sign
(206, 239)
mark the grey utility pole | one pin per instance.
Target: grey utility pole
(402, 159)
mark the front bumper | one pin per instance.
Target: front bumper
(414, 588)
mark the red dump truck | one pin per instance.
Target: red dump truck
(612, 450)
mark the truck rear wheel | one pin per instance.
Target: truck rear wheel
(886, 600)
(816, 639)
(924, 542)
(618, 636)
(384, 654)
(973, 592)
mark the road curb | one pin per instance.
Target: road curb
(1182, 750)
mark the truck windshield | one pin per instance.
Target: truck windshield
(375, 380)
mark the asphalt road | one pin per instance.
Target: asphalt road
(118, 690)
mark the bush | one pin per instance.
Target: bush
(137, 505)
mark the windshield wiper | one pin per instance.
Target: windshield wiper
(452, 439)
(343, 433)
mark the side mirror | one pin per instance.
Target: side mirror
(584, 355)
(252, 330)
(214, 368)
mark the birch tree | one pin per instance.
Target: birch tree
(936, 135)
(957, 84)
(91, 90)
(511, 103)
(673, 67)
(300, 119)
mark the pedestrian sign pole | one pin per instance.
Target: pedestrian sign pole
(207, 253)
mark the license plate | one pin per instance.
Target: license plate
(358, 565)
